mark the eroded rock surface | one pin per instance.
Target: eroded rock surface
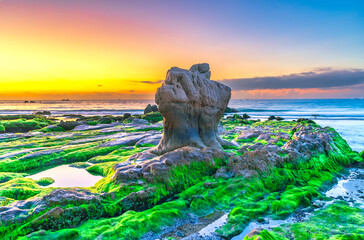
(159, 167)
(192, 106)
(305, 143)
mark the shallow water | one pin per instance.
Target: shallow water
(345, 115)
(66, 176)
(270, 223)
(209, 229)
(350, 188)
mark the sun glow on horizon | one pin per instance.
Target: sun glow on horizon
(53, 49)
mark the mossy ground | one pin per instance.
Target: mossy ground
(192, 189)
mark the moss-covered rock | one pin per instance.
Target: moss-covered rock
(45, 181)
(261, 177)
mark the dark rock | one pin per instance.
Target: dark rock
(62, 197)
(158, 168)
(154, 108)
(271, 118)
(194, 197)
(127, 141)
(153, 117)
(151, 108)
(179, 234)
(245, 135)
(304, 144)
(148, 109)
(105, 120)
(127, 115)
(68, 125)
(230, 110)
(153, 140)
(224, 173)
(305, 120)
(245, 116)
(254, 232)
(192, 106)
(43, 113)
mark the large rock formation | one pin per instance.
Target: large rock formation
(192, 106)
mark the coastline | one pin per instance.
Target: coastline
(193, 198)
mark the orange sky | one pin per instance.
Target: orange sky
(50, 49)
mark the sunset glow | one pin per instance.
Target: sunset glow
(110, 49)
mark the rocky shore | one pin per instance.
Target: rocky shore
(196, 175)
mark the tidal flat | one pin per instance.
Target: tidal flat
(277, 176)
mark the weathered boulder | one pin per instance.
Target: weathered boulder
(259, 158)
(151, 108)
(192, 106)
(68, 125)
(159, 167)
(230, 110)
(20, 211)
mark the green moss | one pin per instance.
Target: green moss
(52, 129)
(23, 125)
(45, 181)
(2, 128)
(153, 117)
(6, 176)
(70, 155)
(337, 221)
(19, 188)
(264, 142)
(66, 234)
(246, 140)
(102, 169)
(265, 235)
(277, 193)
(80, 165)
(92, 123)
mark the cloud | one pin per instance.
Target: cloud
(148, 82)
(318, 78)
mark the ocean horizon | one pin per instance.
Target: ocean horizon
(345, 115)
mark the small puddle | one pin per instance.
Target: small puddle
(209, 229)
(350, 188)
(270, 223)
(66, 176)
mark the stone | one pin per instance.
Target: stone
(63, 197)
(43, 113)
(158, 168)
(127, 141)
(259, 157)
(150, 108)
(245, 135)
(68, 125)
(254, 232)
(153, 140)
(192, 106)
(230, 110)
(126, 115)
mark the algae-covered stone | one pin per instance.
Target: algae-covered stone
(45, 181)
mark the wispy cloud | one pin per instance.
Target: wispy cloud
(148, 82)
(318, 78)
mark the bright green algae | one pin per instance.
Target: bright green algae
(277, 193)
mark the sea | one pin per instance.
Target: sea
(345, 115)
